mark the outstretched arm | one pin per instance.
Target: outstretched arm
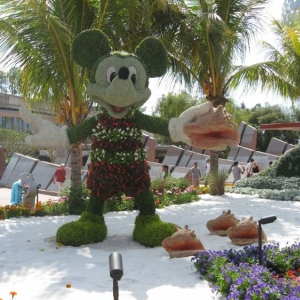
(51, 135)
(81, 131)
(152, 124)
(48, 134)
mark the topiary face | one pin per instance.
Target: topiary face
(119, 80)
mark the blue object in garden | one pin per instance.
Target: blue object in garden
(25, 185)
(16, 193)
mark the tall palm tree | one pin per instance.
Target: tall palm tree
(223, 32)
(221, 35)
(280, 72)
(36, 36)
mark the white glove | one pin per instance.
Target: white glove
(176, 125)
(49, 135)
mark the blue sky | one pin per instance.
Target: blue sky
(251, 99)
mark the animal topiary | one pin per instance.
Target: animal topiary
(287, 165)
(119, 84)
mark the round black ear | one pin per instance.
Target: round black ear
(88, 46)
(153, 54)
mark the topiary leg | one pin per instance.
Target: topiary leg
(96, 204)
(145, 203)
(89, 229)
(149, 230)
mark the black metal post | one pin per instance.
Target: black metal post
(37, 196)
(37, 193)
(115, 289)
(264, 220)
(116, 271)
(259, 244)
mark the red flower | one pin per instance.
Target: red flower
(291, 274)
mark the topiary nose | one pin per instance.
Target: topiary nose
(123, 73)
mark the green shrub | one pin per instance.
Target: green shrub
(175, 196)
(56, 208)
(216, 181)
(161, 184)
(77, 199)
(3, 214)
(17, 211)
(267, 182)
(283, 174)
(88, 229)
(150, 231)
(288, 164)
(181, 183)
(119, 204)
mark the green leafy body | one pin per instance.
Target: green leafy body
(118, 166)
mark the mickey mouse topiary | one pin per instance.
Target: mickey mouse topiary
(119, 84)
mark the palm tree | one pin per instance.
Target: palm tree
(280, 72)
(223, 31)
(221, 34)
(36, 36)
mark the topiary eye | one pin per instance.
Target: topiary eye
(132, 74)
(111, 74)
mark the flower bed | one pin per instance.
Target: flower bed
(49, 208)
(174, 191)
(237, 274)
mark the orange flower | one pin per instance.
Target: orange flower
(13, 294)
(68, 285)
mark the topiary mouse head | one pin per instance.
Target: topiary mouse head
(119, 80)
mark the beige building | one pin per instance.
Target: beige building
(9, 113)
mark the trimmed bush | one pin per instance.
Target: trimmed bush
(150, 231)
(267, 182)
(284, 174)
(287, 165)
(88, 229)
(3, 214)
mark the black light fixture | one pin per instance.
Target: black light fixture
(37, 193)
(116, 271)
(263, 221)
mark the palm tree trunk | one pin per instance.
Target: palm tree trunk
(76, 202)
(76, 166)
(214, 167)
